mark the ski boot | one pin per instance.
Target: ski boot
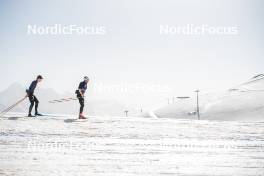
(38, 114)
(30, 115)
(81, 116)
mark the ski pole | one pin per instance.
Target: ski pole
(62, 100)
(11, 107)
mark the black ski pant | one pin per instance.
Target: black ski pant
(33, 100)
(81, 101)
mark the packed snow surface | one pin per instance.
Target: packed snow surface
(129, 146)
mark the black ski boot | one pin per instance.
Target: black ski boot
(38, 114)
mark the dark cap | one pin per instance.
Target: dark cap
(39, 77)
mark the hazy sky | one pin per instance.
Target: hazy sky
(132, 51)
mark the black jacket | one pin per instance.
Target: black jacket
(32, 87)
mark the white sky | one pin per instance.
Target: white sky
(132, 51)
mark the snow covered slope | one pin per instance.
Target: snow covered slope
(243, 102)
(118, 146)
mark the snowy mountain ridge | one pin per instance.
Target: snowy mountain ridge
(256, 83)
(242, 102)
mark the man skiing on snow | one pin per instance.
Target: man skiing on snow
(32, 98)
(80, 95)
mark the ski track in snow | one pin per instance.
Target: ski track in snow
(129, 146)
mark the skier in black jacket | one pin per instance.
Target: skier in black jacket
(80, 95)
(32, 98)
